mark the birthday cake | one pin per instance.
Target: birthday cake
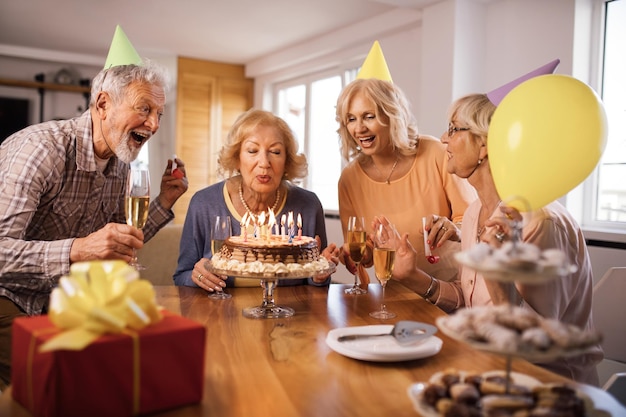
(272, 254)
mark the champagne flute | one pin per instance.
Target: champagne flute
(219, 233)
(384, 257)
(137, 203)
(357, 237)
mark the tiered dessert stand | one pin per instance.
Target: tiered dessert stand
(513, 274)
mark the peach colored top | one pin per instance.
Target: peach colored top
(426, 189)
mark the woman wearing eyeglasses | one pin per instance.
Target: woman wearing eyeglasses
(567, 299)
(396, 172)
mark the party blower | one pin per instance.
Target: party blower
(433, 259)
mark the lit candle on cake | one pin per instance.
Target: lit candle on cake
(283, 231)
(255, 223)
(290, 225)
(271, 222)
(273, 225)
(299, 226)
(263, 225)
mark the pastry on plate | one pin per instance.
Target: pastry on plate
(452, 393)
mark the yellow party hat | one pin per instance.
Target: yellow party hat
(375, 65)
(121, 51)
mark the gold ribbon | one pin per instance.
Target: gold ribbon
(96, 298)
(136, 371)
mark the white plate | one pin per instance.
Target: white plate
(380, 349)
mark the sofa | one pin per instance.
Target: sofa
(160, 255)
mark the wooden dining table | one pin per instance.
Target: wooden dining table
(284, 368)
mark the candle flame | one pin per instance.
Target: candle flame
(271, 221)
(299, 220)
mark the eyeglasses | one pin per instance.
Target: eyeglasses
(452, 130)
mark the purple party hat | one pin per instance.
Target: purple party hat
(496, 96)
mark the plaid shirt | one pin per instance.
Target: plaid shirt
(51, 193)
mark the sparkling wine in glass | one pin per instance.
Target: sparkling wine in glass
(384, 257)
(137, 203)
(220, 232)
(357, 236)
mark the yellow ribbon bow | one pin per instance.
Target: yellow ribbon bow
(99, 297)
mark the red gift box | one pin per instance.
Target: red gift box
(158, 368)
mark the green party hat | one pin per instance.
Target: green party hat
(375, 65)
(121, 51)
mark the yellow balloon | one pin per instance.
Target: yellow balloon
(546, 136)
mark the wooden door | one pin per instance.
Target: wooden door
(210, 96)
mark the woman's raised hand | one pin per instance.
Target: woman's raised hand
(440, 229)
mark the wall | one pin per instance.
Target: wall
(56, 104)
(348, 46)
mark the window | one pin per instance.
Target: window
(307, 104)
(600, 204)
(611, 188)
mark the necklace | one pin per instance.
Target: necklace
(390, 172)
(479, 232)
(481, 229)
(243, 201)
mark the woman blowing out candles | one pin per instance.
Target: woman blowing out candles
(260, 159)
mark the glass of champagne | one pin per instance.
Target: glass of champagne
(384, 257)
(357, 237)
(136, 203)
(219, 233)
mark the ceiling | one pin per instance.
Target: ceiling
(233, 31)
